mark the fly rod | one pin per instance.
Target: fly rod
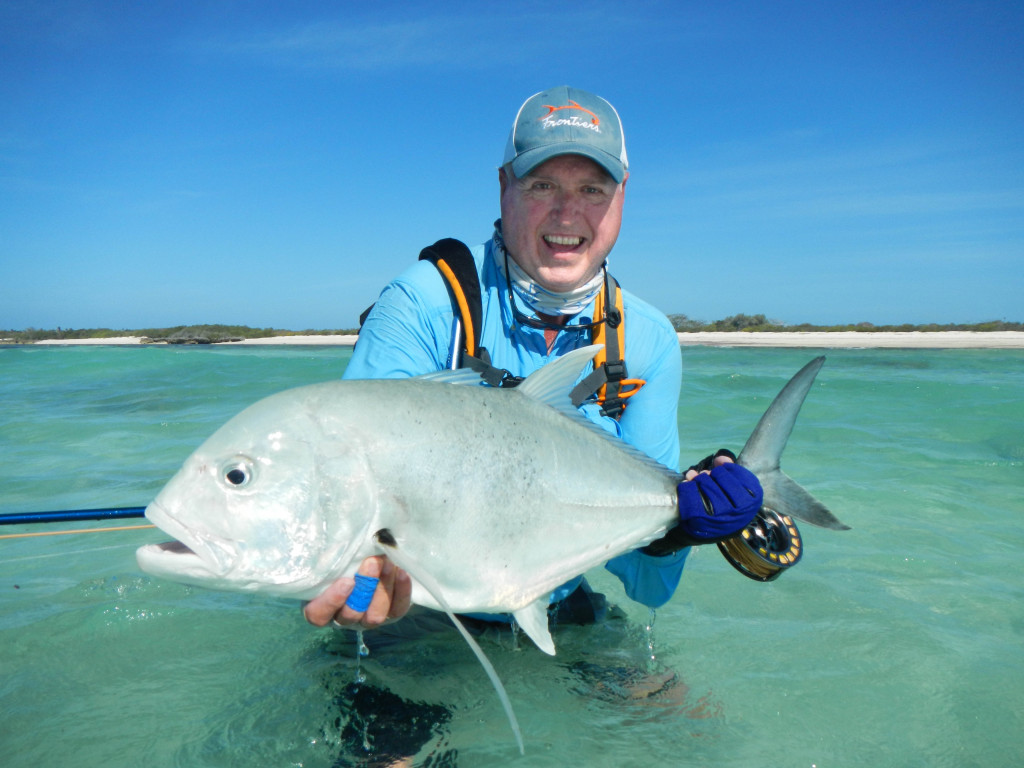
(114, 513)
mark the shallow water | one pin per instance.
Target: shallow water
(896, 643)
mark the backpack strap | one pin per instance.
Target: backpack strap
(455, 263)
(609, 378)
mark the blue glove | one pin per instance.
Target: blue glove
(719, 505)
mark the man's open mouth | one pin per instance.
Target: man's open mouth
(570, 241)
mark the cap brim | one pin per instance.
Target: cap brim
(531, 158)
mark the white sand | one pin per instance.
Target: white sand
(855, 339)
(835, 340)
(115, 341)
(338, 341)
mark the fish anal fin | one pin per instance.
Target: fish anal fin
(533, 619)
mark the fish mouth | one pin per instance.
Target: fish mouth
(173, 548)
(174, 561)
(192, 556)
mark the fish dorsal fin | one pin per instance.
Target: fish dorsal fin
(403, 560)
(457, 376)
(533, 619)
(553, 383)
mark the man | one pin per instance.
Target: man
(562, 186)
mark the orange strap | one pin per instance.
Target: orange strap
(627, 387)
(460, 299)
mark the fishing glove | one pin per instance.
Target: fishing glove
(712, 507)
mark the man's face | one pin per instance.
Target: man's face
(561, 220)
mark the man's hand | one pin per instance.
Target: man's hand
(391, 598)
(724, 456)
(718, 504)
(717, 500)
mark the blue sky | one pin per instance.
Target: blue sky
(274, 164)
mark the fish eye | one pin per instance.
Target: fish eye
(238, 473)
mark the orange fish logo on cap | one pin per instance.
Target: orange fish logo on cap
(571, 105)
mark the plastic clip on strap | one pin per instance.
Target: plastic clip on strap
(609, 379)
(494, 377)
(362, 594)
(615, 404)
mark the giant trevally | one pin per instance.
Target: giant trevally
(489, 497)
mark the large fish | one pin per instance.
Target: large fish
(490, 498)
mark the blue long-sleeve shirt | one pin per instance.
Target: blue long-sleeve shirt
(409, 332)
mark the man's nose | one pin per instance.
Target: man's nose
(567, 204)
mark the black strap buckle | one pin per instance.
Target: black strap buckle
(613, 406)
(508, 380)
(615, 370)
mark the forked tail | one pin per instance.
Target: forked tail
(763, 451)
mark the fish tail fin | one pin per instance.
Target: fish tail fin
(763, 452)
(788, 497)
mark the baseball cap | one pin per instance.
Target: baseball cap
(566, 121)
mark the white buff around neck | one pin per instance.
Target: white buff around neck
(538, 298)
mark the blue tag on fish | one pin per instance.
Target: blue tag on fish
(362, 593)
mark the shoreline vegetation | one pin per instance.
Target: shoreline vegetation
(737, 330)
(181, 334)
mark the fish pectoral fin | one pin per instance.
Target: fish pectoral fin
(404, 560)
(533, 619)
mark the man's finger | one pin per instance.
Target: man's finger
(320, 610)
(353, 611)
(401, 599)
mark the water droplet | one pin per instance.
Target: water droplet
(649, 629)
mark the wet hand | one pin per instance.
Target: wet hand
(389, 601)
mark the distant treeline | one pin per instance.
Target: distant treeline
(212, 334)
(179, 334)
(684, 324)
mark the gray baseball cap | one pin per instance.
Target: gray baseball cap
(566, 121)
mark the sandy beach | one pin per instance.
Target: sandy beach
(858, 340)
(823, 340)
(119, 341)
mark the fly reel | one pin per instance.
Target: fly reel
(766, 547)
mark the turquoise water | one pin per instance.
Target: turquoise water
(900, 642)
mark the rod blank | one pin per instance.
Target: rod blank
(115, 513)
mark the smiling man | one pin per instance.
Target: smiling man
(544, 290)
(560, 221)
